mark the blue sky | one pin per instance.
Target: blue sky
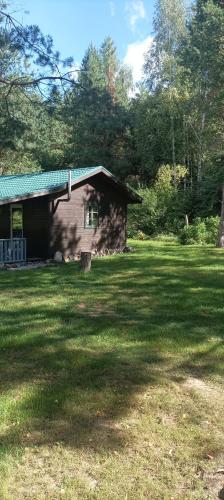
(73, 24)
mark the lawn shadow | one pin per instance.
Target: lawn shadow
(77, 350)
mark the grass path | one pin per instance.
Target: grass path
(111, 383)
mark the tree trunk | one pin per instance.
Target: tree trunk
(173, 147)
(199, 172)
(186, 220)
(85, 261)
(220, 242)
(184, 152)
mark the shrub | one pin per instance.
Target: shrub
(137, 234)
(212, 229)
(164, 205)
(143, 217)
(141, 236)
(186, 236)
(201, 231)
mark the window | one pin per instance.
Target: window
(16, 221)
(91, 216)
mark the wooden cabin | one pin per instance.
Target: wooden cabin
(67, 211)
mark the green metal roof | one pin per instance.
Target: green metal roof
(22, 185)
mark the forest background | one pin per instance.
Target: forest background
(165, 137)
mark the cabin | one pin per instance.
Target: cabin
(66, 211)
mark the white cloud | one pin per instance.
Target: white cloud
(136, 10)
(112, 8)
(134, 57)
(74, 71)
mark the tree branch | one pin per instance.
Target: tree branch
(19, 82)
(51, 59)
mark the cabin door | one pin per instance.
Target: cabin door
(16, 221)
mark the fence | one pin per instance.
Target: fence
(13, 250)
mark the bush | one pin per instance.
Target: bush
(143, 217)
(212, 229)
(141, 236)
(201, 231)
(137, 234)
(193, 234)
(164, 205)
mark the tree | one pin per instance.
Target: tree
(202, 60)
(29, 124)
(27, 56)
(164, 204)
(161, 65)
(97, 111)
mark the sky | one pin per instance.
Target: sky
(74, 24)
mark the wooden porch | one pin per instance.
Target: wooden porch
(12, 250)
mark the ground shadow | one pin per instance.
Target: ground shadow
(76, 350)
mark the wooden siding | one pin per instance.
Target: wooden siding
(68, 233)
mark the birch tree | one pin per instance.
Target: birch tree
(161, 65)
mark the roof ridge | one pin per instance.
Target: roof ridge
(22, 186)
(49, 171)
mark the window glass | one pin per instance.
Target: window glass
(92, 215)
(16, 221)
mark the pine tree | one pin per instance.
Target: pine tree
(98, 111)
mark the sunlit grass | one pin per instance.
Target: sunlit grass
(100, 376)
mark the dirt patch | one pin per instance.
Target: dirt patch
(205, 389)
(214, 482)
(101, 310)
(214, 477)
(24, 266)
(43, 474)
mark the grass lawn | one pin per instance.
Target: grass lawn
(112, 382)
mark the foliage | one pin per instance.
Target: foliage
(201, 60)
(143, 218)
(194, 233)
(161, 65)
(18, 163)
(32, 132)
(182, 119)
(164, 204)
(97, 111)
(201, 231)
(212, 227)
(27, 56)
(175, 118)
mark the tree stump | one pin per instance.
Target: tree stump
(85, 261)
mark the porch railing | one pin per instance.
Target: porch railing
(13, 250)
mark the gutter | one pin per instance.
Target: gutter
(69, 192)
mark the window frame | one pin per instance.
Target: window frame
(86, 214)
(16, 206)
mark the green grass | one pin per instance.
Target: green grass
(111, 382)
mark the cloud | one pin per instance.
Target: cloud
(112, 8)
(136, 10)
(134, 57)
(74, 71)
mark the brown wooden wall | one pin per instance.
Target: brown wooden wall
(68, 233)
